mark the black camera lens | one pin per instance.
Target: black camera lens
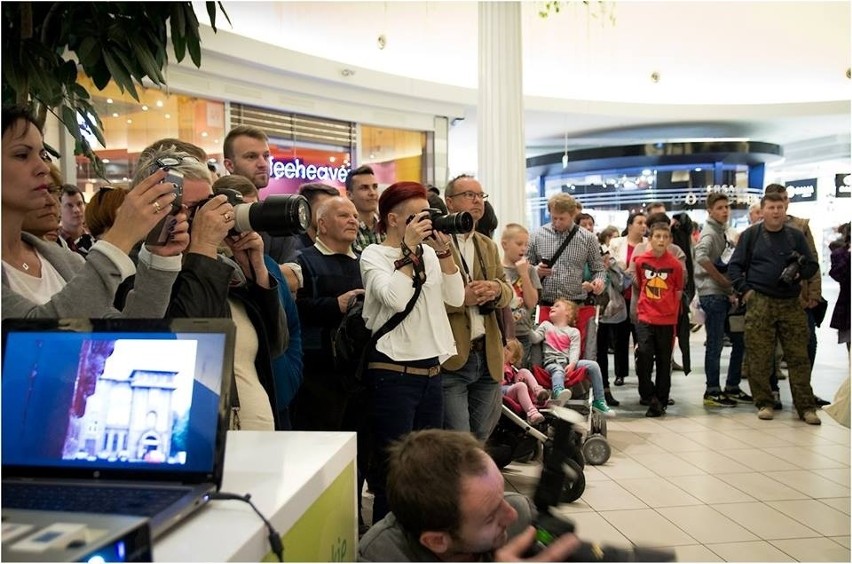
(452, 223)
(278, 215)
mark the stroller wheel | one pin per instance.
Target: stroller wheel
(575, 482)
(596, 449)
(579, 458)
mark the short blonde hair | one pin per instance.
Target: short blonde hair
(563, 203)
(512, 230)
(571, 305)
(516, 351)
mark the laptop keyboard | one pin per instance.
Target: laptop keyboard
(102, 499)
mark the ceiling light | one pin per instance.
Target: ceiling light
(159, 103)
(372, 156)
(105, 161)
(168, 116)
(109, 100)
(115, 114)
(129, 121)
(331, 159)
(698, 169)
(144, 108)
(204, 134)
(215, 141)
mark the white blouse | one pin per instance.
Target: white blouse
(426, 331)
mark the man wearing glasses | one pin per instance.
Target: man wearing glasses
(563, 277)
(471, 378)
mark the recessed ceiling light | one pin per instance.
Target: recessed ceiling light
(698, 169)
(204, 134)
(168, 116)
(144, 108)
(159, 103)
(115, 114)
(109, 100)
(215, 141)
(129, 121)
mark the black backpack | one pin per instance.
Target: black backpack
(351, 337)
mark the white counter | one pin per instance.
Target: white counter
(303, 482)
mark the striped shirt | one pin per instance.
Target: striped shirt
(567, 277)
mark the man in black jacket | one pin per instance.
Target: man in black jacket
(769, 263)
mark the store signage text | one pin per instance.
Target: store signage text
(843, 185)
(295, 168)
(802, 190)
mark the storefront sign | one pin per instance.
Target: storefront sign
(843, 185)
(802, 190)
(296, 169)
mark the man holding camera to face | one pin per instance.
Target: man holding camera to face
(768, 266)
(471, 378)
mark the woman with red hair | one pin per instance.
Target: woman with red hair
(404, 370)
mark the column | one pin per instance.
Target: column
(500, 111)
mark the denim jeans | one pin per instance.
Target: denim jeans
(401, 403)
(716, 309)
(471, 398)
(593, 373)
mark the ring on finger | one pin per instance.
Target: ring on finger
(227, 216)
(157, 207)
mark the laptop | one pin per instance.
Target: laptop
(122, 416)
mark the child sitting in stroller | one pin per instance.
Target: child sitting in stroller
(562, 353)
(520, 384)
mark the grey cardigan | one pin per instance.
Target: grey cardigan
(90, 287)
(710, 247)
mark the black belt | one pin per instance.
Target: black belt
(478, 345)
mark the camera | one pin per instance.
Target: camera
(159, 235)
(277, 215)
(795, 261)
(451, 223)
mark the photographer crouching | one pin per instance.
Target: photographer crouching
(768, 265)
(448, 504)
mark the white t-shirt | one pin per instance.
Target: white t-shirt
(37, 290)
(426, 331)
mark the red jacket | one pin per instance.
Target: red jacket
(660, 281)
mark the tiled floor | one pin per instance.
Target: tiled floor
(717, 484)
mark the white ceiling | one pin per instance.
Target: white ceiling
(772, 71)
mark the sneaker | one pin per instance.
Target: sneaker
(534, 416)
(765, 413)
(718, 399)
(739, 395)
(811, 418)
(601, 407)
(560, 396)
(776, 401)
(669, 402)
(611, 401)
(619, 380)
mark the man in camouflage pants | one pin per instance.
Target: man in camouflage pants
(761, 270)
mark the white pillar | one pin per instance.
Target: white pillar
(500, 114)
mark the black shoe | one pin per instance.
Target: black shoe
(619, 381)
(739, 396)
(776, 405)
(611, 401)
(670, 402)
(718, 399)
(821, 402)
(654, 410)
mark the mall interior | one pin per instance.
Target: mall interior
(617, 103)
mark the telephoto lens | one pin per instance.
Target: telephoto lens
(452, 223)
(277, 215)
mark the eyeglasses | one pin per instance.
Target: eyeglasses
(468, 195)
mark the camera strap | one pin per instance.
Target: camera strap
(564, 244)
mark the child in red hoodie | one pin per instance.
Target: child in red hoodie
(658, 282)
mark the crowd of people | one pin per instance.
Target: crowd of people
(456, 322)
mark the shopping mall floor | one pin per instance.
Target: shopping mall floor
(718, 484)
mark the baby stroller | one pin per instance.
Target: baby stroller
(514, 438)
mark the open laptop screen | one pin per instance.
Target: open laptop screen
(115, 395)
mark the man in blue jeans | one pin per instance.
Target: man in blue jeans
(716, 295)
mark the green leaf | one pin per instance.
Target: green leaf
(89, 51)
(120, 75)
(148, 64)
(224, 13)
(69, 118)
